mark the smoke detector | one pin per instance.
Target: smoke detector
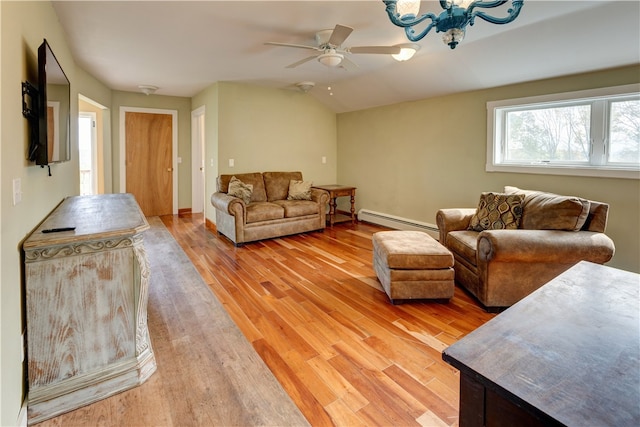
(305, 86)
(148, 89)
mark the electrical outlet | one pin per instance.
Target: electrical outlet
(324, 160)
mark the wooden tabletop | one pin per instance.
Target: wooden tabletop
(334, 187)
(101, 216)
(571, 349)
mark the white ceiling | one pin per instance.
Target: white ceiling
(183, 47)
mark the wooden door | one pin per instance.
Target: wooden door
(148, 161)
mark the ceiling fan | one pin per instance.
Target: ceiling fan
(331, 52)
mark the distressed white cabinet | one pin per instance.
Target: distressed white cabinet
(86, 303)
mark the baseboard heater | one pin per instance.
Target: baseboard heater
(397, 222)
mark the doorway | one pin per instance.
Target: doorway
(95, 161)
(197, 161)
(87, 142)
(148, 158)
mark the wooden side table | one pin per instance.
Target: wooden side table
(335, 191)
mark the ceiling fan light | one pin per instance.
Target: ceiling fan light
(407, 50)
(330, 59)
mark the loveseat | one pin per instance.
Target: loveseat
(256, 206)
(517, 241)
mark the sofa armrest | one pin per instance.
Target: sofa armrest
(320, 196)
(453, 219)
(541, 246)
(227, 203)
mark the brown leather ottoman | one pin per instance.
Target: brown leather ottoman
(412, 265)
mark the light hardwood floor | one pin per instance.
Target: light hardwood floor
(313, 310)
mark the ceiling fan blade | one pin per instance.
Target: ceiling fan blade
(387, 50)
(302, 61)
(339, 35)
(348, 64)
(301, 46)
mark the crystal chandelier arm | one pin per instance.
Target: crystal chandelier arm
(411, 33)
(512, 13)
(408, 21)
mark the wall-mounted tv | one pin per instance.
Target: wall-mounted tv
(48, 110)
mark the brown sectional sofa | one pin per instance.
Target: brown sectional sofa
(269, 213)
(501, 266)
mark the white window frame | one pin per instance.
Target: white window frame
(597, 168)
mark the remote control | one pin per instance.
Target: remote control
(57, 230)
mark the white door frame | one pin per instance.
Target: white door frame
(174, 148)
(197, 160)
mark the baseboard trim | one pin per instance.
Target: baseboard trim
(184, 211)
(209, 225)
(22, 415)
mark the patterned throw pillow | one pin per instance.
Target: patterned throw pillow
(497, 211)
(299, 190)
(241, 190)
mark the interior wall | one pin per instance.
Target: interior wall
(24, 26)
(208, 98)
(273, 129)
(413, 158)
(266, 129)
(100, 94)
(140, 100)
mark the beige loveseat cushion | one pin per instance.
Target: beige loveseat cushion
(277, 184)
(254, 179)
(548, 211)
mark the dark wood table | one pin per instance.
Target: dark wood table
(335, 191)
(568, 354)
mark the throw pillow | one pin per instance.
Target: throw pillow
(299, 190)
(497, 211)
(239, 189)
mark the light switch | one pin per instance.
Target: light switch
(324, 160)
(17, 191)
(232, 163)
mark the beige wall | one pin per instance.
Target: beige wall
(100, 99)
(433, 154)
(139, 100)
(23, 27)
(265, 129)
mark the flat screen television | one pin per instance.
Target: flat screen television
(50, 113)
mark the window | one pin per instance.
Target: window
(588, 133)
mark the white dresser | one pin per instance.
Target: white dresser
(86, 301)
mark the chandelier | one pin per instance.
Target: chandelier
(452, 21)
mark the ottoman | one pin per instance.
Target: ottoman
(412, 265)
